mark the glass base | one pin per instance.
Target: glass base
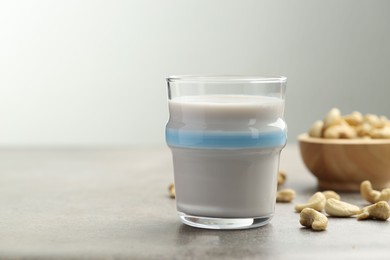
(223, 223)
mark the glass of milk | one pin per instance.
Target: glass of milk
(226, 134)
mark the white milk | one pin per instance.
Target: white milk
(226, 154)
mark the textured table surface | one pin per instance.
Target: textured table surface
(113, 204)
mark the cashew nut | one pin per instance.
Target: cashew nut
(364, 129)
(340, 131)
(371, 195)
(329, 194)
(313, 219)
(367, 192)
(384, 196)
(333, 117)
(354, 119)
(379, 210)
(286, 195)
(337, 208)
(317, 202)
(380, 132)
(385, 121)
(316, 129)
(281, 177)
(172, 192)
(373, 120)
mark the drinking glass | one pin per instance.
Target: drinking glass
(226, 134)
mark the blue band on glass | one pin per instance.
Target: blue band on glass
(227, 140)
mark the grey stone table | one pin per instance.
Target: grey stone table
(113, 204)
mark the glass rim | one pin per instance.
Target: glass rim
(226, 79)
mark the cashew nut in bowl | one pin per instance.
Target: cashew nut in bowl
(316, 202)
(313, 219)
(354, 119)
(337, 208)
(316, 129)
(380, 133)
(373, 120)
(330, 194)
(364, 130)
(379, 211)
(385, 120)
(340, 131)
(286, 195)
(332, 118)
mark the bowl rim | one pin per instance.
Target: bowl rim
(308, 139)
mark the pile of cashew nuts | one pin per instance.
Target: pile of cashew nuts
(311, 212)
(352, 126)
(311, 215)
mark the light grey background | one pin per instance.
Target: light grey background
(93, 72)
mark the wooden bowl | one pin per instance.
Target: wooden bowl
(342, 164)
